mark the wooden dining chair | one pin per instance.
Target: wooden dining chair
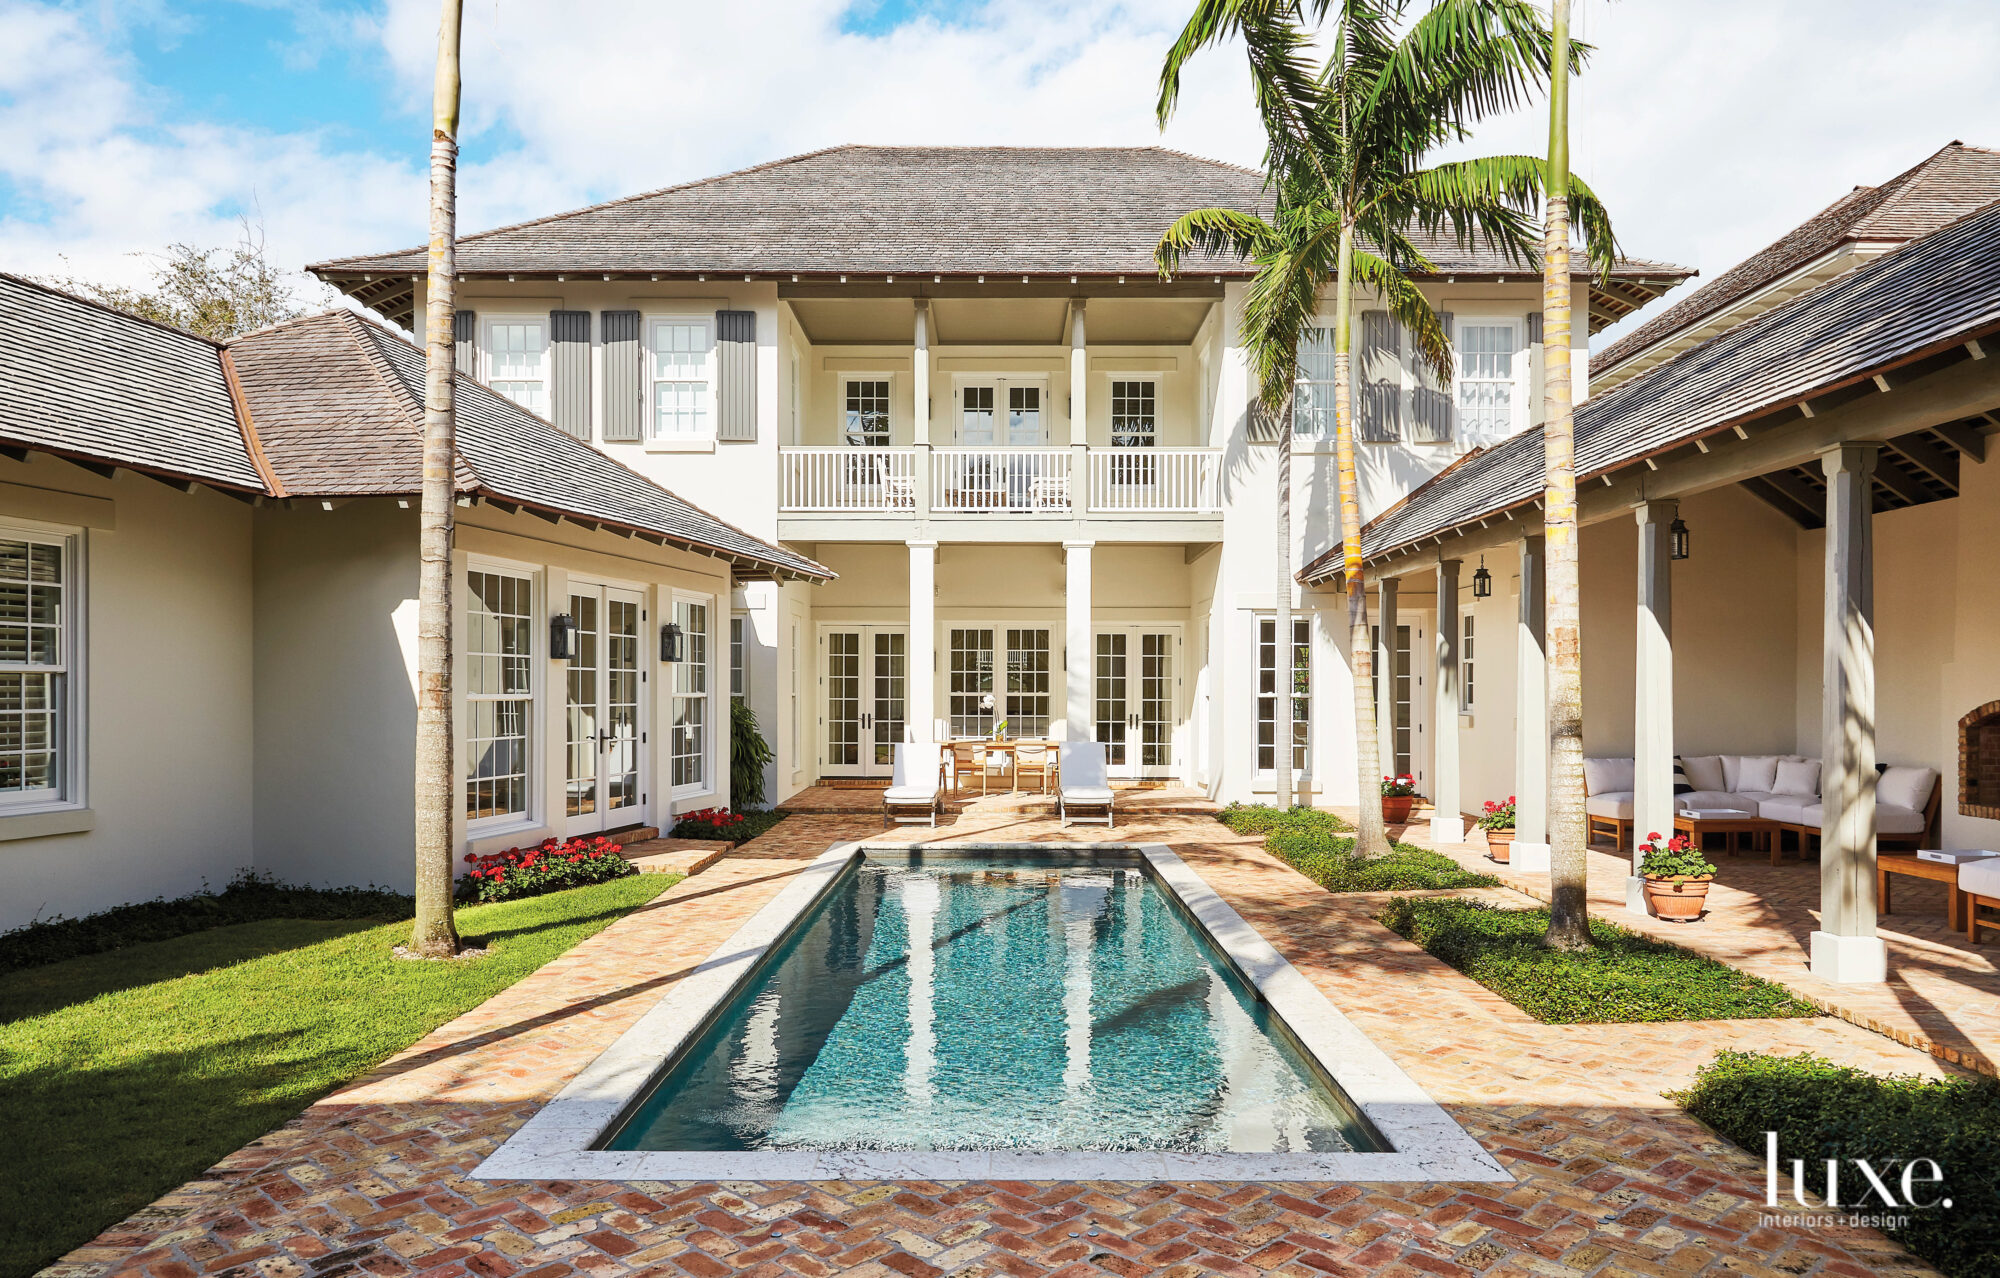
(966, 758)
(1034, 759)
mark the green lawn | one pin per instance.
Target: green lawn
(129, 1072)
(1623, 977)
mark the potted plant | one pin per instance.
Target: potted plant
(1398, 794)
(1677, 877)
(1498, 822)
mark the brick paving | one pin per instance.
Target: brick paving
(1612, 1178)
(1133, 802)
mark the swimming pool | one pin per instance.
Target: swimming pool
(1006, 1010)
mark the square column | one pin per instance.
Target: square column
(1079, 643)
(1531, 713)
(920, 687)
(1385, 673)
(1448, 807)
(1846, 948)
(920, 373)
(1653, 690)
(1079, 378)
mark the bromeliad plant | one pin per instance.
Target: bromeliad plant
(1498, 816)
(1676, 858)
(548, 866)
(1398, 787)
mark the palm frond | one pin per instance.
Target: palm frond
(1216, 233)
(1407, 303)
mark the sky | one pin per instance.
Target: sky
(1708, 127)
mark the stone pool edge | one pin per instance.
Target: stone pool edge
(554, 1144)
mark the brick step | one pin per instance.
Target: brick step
(633, 834)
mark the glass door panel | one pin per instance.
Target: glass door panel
(603, 708)
(864, 674)
(1137, 699)
(1110, 696)
(886, 718)
(581, 708)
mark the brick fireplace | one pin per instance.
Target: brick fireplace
(1979, 762)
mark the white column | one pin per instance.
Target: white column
(1079, 380)
(1385, 673)
(1531, 714)
(1846, 947)
(920, 686)
(1448, 806)
(1079, 643)
(1653, 691)
(920, 371)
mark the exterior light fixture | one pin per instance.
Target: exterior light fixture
(1677, 539)
(673, 645)
(1482, 581)
(562, 637)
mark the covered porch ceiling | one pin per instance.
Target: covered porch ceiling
(1003, 318)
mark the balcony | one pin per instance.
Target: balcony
(1117, 483)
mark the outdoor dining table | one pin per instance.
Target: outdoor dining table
(1008, 746)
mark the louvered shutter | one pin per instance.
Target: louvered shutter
(465, 357)
(1381, 379)
(569, 371)
(1537, 367)
(623, 363)
(736, 375)
(1431, 412)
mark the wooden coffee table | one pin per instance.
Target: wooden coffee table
(1732, 829)
(1915, 867)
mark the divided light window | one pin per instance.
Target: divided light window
(1134, 424)
(691, 716)
(736, 682)
(37, 662)
(1001, 412)
(1465, 656)
(681, 370)
(1312, 403)
(499, 696)
(867, 421)
(517, 361)
(1486, 381)
(1267, 694)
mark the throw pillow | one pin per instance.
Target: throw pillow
(1681, 783)
(1797, 776)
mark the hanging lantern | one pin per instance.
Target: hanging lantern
(1677, 539)
(1482, 581)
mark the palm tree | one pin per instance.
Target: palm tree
(1345, 145)
(435, 933)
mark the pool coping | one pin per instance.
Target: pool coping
(1426, 1143)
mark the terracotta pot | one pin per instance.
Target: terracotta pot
(1396, 808)
(1500, 845)
(1679, 897)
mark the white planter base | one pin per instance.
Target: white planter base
(1529, 858)
(1849, 960)
(1635, 896)
(1447, 830)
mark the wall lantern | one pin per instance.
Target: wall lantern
(1677, 539)
(562, 637)
(673, 644)
(1482, 581)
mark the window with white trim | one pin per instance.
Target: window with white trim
(1465, 656)
(689, 743)
(737, 627)
(38, 667)
(867, 412)
(1312, 400)
(1486, 396)
(1267, 694)
(517, 360)
(1002, 411)
(499, 693)
(681, 374)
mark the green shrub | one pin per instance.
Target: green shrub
(1334, 865)
(1820, 1110)
(248, 898)
(748, 753)
(1623, 977)
(1263, 819)
(549, 866)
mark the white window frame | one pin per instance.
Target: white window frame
(707, 754)
(1467, 633)
(69, 793)
(1112, 383)
(533, 761)
(1001, 384)
(1299, 769)
(847, 381)
(487, 351)
(1311, 441)
(1467, 436)
(739, 654)
(689, 441)
(1002, 652)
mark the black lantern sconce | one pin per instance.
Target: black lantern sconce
(1482, 581)
(1677, 539)
(562, 637)
(673, 644)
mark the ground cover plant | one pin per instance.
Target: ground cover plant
(1313, 843)
(248, 898)
(721, 823)
(1623, 976)
(129, 1073)
(548, 866)
(1823, 1111)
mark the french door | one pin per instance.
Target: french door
(604, 703)
(864, 680)
(1135, 698)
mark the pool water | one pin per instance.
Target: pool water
(952, 1003)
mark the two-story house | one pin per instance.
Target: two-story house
(955, 377)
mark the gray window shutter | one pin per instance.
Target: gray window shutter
(622, 383)
(736, 375)
(463, 325)
(1381, 379)
(1537, 367)
(1534, 328)
(1431, 407)
(569, 371)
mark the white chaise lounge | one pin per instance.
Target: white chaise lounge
(1081, 782)
(916, 792)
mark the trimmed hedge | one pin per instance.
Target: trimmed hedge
(1314, 844)
(1820, 1110)
(249, 898)
(1262, 819)
(1624, 977)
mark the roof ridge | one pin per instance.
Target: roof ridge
(367, 334)
(106, 307)
(1908, 182)
(253, 444)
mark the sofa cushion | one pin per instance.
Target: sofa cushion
(1981, 877)
(1612, 803)
(1604, 776)
(1704, 771)
(1905, 787)
(1788, 808)
(1714, 799)
(1748, 772)
(1889, 819)
(1797, 776)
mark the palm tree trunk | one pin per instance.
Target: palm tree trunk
(1372, 837)
(435, 932)
(1569, 915)
(1283, 676)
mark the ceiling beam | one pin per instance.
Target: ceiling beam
(1897, 481)
(1780, 502)
(1922, 451)
(1964, 438)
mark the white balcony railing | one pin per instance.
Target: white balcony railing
(1006, 479)
(1155, 480)
(841, 480)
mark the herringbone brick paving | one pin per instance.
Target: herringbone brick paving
(1612, 1179)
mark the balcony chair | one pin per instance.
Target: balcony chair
(916, 787)
(1081, 782)
(1049, 492)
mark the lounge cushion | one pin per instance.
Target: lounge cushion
(1981, 877)
(1745, 773)
(909, 794)
(1615, 803)
(1704, 772)
(1606, 776)
(1889, 819)
(1714, 799)
(1797, 776)
(1905, 787)
(1086, 794)
(1788, 808)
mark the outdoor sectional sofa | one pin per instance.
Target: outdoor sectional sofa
(1783, 789)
